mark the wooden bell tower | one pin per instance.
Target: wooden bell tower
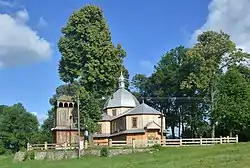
(65, 130)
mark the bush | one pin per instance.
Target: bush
(104, 152)
(32, 155)
(156, 147)
(8, 152)
(2, 150)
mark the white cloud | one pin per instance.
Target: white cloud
(42, 22)
(232, 17)
(6, 3)
(22, 16)
(19, 44)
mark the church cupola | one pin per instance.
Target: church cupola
(121, 81)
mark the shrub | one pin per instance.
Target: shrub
(8, 152)
(156, 146)
(104, 152)
(32, 155)
(2, 150)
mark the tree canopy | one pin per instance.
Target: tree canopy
(17, 128)
(88, 54)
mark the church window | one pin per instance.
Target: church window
(134, 122)
(114, 112)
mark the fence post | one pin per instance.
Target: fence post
(85, 144)
(228, 139)
(65, 145)
(133, 143)
(45, 146)
(237, 139)
(220, 139)
(180, 141)
(200, 140)
(28, 146)
(110, 143)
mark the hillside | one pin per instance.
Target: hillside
(232, 155)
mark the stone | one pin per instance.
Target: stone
(70, 154)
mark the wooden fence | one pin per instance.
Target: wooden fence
(190, 141)
(139, 143)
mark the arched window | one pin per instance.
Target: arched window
(66, 105)
(71, 105)
(60, 104)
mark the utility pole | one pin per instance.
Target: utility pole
(161, 125)
(161, 116)
(78, 124)
(212, 110)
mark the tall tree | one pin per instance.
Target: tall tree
(88, 53)
(233, 102)
(90, 57)
(140, 85)
(212, 52)
(17, 127)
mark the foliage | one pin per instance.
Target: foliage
(232, 109)
(104, 152)
(90, 58)
(185, 84)
(157, 147)
(213, 52)
(139, 83)
(88, 53)
(17, 127)
(32, 155)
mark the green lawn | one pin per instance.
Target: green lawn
(232, 155)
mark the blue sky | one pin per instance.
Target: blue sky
(146, 29)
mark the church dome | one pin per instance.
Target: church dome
(122, 97)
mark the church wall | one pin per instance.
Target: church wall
(119, 138)
(139, 121)
(153, 135)
(149, 118)
(143, 120)
(139, 137)
(105, 127)
(118, 125)
(118, 110)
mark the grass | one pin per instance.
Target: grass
(220, 156)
